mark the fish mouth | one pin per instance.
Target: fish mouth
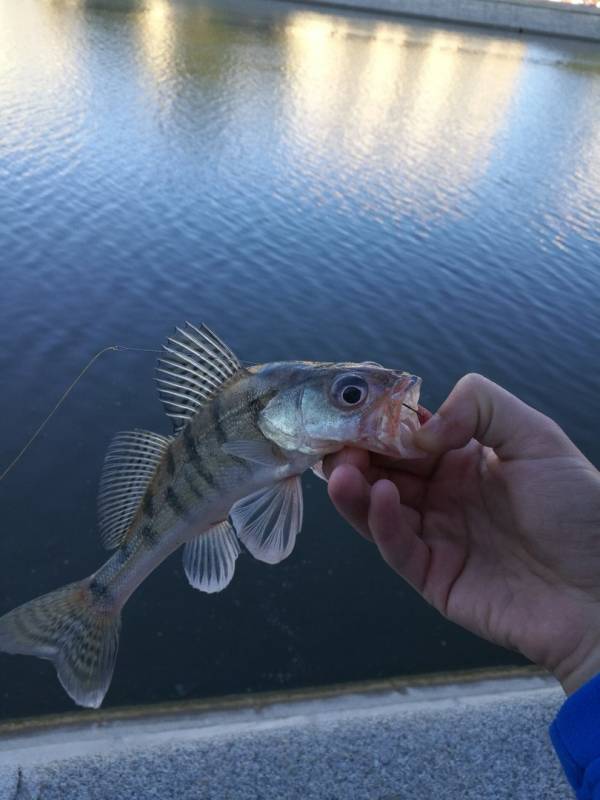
(392, 422)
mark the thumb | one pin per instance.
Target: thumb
(479, 409)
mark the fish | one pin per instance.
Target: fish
(227, 478)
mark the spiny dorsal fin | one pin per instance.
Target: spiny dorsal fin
(129, 465)
(209, 558)
(196, 364)
(268, 521)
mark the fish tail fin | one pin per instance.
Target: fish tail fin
(77, 629)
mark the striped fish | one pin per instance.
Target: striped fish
(228, 477)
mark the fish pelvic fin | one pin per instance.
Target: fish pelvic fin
(268, 521)
(209, 558)
(75, 628)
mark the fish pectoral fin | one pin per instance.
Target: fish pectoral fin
(195, 365)
(267, 522)
(129, 465)
(209, 558)
(255, 451)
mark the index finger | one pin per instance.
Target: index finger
(479, 409)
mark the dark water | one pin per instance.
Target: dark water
(311, 185)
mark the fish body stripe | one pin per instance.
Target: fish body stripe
(190, 443)
(170, 462)
(174, 502)
(99, 590)
(255, 406)
(148, 504)
(148, 534)
(206, 476)
(195, 459)
(124, 552)
(215, 408)
(192, 485)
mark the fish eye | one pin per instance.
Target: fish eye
(349, 391)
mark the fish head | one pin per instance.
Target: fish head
(319, 408)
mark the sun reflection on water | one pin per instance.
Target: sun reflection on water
(403, 119)
(156, 34)
(345, 88)
(41, 73)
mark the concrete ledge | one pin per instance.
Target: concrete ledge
(468, 739)
(524, 16)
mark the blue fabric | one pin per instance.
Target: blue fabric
(575, 734)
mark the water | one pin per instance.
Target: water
(311, 185)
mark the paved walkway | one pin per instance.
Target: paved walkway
(470, 740)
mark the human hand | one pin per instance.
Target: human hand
(498, 527)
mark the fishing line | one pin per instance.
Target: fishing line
(65, 394)
(69, 389)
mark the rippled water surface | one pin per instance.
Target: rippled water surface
(311, 185)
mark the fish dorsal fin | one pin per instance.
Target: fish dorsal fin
(209, 558)
(268, 521)
(196, 363)
(129, 465)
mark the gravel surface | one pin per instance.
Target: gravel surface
(484, 740)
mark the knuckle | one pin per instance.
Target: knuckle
(550, 427)
(473, 381)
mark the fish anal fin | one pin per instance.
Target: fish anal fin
(129, 466)
(209, 558)
(268, 521)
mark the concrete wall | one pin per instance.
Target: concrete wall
(532, 16)
(472, 740)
